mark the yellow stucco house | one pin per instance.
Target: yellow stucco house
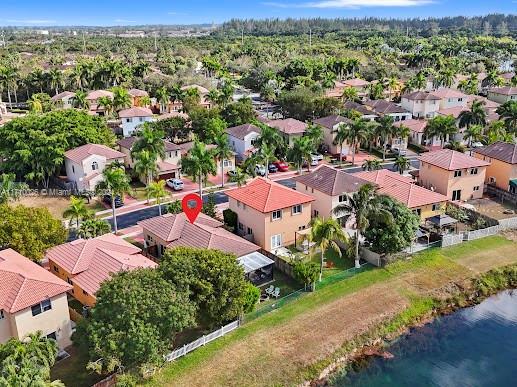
(270, 214)
(454, 174)
(502, 171)
(32, 300)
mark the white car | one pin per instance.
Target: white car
(175, 184)
(314, 161)
(317, 156)
(260, 170)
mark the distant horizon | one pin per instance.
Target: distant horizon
(132, 13)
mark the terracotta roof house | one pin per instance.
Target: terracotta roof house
(93, 99)
(330, 126)
(502, 171)
(450, 98)
(138, 93)
(387, 108)
(84, 165)
(424, 202)
(133, 118)
(336, 91)
(502, 94)
(86, 263)
(270, 214)
(452, 111)
(228, 164)
(64, 99)
(453, 174)
(289, 128)
(366, 113)
(242, 138)
(168, 167)
(490, 106)
(421, 104)
(31, 300)
(329, 187)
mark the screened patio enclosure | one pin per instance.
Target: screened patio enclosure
(258, 268)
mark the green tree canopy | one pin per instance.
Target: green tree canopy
(239, 113)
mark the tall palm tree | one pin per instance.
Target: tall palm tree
(371, 165)
(324, 234)
(145, 165)
(350, 94)
(473, 133)
(157, 191)
(385, 131)
(358, 133)
(199, 163)
(56, 79)
(77, 210)
(508, 113)
(342, 135)
(121, 98)
(268, 136)
(315, 134)
(106, 103)
(80, 100)
(92, 228)
(162, 96)
(296, 153)
(267, 154)
(116, 183)
(475, 116)
(150, 140)
(441, 127)
(402, 163)
(222, 152)
(361, 206)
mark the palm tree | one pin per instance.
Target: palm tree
(106, 103)
(342, 135)
(145, 165)
(296, 154)
(157, 191)
(402, 163)
(371, 165)
(56, 79)
(267, 154)
(393, 84)
(222, 152)
(441, 127)
(121, 98)
(77, 210)
(508, 113)
(358, 133)
(199, 162)
(92, 228)
(475, 116)
(150, 140)
(350, 94)
(361, 206)
(144, 101)
(80, 100)
(162, 96)
(324, 235)
(239, 177)
(268, 136)
(315, 134)
(116, 183)
(385, 131)
(473, 133)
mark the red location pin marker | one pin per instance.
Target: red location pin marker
(192, 205)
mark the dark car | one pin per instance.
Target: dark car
(272, 169)
(118, 201)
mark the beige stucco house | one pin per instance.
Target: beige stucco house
(421, 104)
(270, 214)
(32, 300)
(289, 128)
(64, 100)
(502, 94)
(330, 126)
(456, 175)
(502, 171)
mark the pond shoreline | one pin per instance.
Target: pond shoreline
(453, 298)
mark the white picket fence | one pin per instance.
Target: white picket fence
(202, 341)
(454, 239)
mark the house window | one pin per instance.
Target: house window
(52, 336)
(456, 195)
(227, 163)
(141, 119)
(297, 209)
(315, 213)
(43, 306)
(73, 169)
(56, 269)
(2, 316)
(436, 207)
(476, 188)
(460, 99)
(241, 226)
(474, 171)
(69, 281)
(301, 228)
(85, 293)
(342, 198)
(492, 179)
(149, 238)
(457, 173)
(95, 166)
(418, 211)
(276, 241)
(275, 215)
(249, 231)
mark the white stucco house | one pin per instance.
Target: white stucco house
(132, 118)
(450, 98)
(64, 100)
(242, 139)
(84, 165)
(421, 104)
(502, 94)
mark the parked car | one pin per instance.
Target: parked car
(175, 184)
(317, 156)
(232, 173)
(282, 166)
(314, 161)
(118, 200)
(399, 152)
(272, 168)
(260, 170)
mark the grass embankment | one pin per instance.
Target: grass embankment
(298, 341)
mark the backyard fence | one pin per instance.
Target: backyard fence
(205, 339)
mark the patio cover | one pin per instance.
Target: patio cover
(442, 220)
(254, 261)
(420, 233)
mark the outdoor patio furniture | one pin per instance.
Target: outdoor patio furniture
(270, 290)
(276, 293)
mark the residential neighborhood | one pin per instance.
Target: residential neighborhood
(298, 186)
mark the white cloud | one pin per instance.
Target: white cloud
(351, 3)
(30, 21)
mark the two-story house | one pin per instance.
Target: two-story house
(93, 99)
(453, 174)
(365, 113)
(330, 187)
(86, 263)
(502, 94)
(502, 171)
(289, 128)
(330, 126)
(136, 96)
(64, 100)
(242, 139)
(168, 167)
(133, 118)
(84, 165)
(31, 300)
(450, 98)
(425, 203)
(386, 108)
(421, 104)
(269, 214)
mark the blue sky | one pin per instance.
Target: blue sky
(133, 12)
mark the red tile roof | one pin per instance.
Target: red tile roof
(242, 131)
(92, 261)
(417, 126)
(289, 126)
(81, 153)
(452, 111)
(507, 90)
(137, 93)
(135, 112)
(420, 95)
(402, 189)
(205, 233)
(356, 82)
(95, 94)
(451, 160)
(24, 283)
(448, 93)
(265, 195)
(331, 181)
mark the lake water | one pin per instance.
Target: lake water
(475, 346)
